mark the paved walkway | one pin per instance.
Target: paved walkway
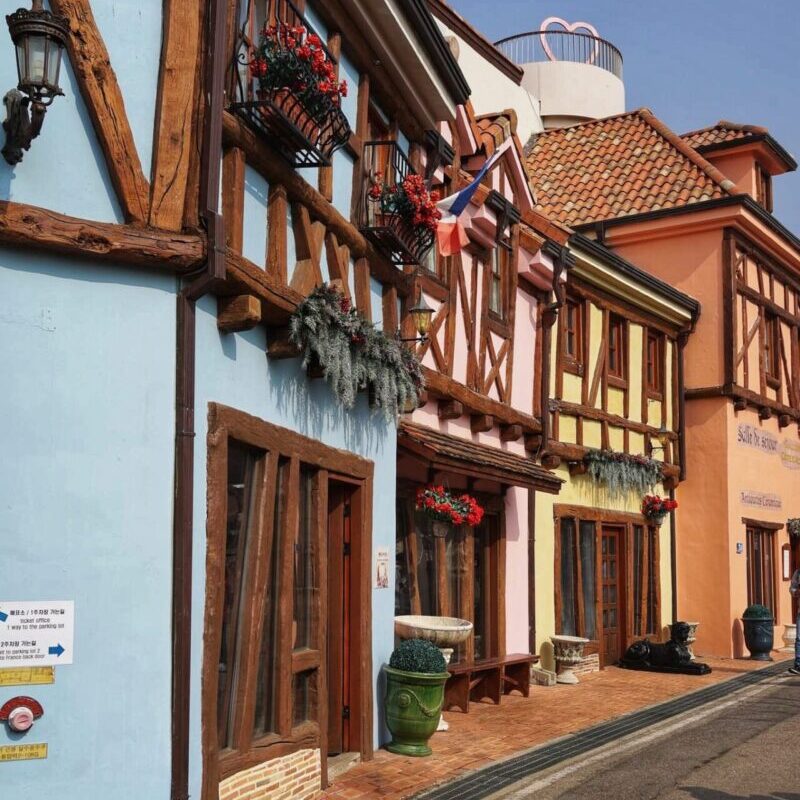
(491, 733)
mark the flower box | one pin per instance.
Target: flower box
(290, 94)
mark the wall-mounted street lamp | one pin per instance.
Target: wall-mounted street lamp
(421, 314)
(662, 437)
(39, 38)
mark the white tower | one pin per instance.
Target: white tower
(574, 73)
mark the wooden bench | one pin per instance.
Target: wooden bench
(490, 678)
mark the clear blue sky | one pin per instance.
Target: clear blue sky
(692, 63)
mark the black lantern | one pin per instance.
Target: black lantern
(421, 315)
(662, 437)
(39, 38)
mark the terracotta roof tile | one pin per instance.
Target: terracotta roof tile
(618, 166)
(496, 128)
(723, 131)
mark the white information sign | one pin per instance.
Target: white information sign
(36, 633)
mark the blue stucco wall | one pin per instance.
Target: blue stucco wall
(87, 359)
(233, 369)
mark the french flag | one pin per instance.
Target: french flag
(450, 233)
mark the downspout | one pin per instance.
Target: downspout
(683, 338)
(191, 291)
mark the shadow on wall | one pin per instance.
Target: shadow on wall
(311, 403)
(737, 635)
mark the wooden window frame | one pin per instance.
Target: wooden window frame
(628, 522)
(763, 188)
(618, 378)
(655, 389)
(771, 348)
(574, 362)
(766, 533)
(493, 505)
(295, 451)
(500, 255)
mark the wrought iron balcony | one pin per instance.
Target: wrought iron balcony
(559, 45)
(275, 88)
(385, 216)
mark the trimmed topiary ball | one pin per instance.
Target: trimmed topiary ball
(757, 612)
(418, 655)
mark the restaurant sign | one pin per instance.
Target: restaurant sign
(750, 436)
(760, 500)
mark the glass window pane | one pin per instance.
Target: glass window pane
(305, 701)
(456, 577)
(306, 579)
(241, 516)
(652, 588)
(588, 579)
(568, 577)
(426, 566)
(638, 552)
(265, 705)
(402, 586)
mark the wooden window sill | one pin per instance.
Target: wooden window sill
(574, 367)
(617, 383)
(498, 325)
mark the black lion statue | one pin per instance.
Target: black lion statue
(672, 656)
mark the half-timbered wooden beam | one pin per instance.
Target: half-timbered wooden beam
(27, 226)
(262, 158)
(106, 107)
(443, 387)
(480, 423)
(172, 145)
(450, 409)
(238, 313)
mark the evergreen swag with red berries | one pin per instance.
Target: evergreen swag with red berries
(655, 508)
(354, 354)
(289, 57)
(441, 506)
(409, 200)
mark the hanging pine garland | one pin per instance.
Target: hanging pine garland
(621, 473)
(354, 354)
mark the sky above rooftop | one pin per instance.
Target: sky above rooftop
(692, 63)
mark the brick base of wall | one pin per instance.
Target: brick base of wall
(588, 664)
(294, 777)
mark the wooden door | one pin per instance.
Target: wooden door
(339, 615)
(612, 637)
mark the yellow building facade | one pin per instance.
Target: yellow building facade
(604, 571)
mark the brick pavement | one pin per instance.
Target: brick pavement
(491, 733)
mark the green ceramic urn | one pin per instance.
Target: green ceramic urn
(413, 706)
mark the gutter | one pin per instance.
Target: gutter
(690, 208)
(197, 286)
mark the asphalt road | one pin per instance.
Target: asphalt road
(746, 747)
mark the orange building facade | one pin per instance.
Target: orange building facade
(696, 212)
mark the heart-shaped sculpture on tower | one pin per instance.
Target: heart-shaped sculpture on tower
(575, 27)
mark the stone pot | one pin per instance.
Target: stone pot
(413, 705)
(789, 636)
(568, 652)
(759, 636)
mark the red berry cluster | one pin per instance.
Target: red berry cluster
(654, 507)
(439, 504)
(278, 40)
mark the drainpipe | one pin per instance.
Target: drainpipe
(193, 288)
(683, 338)
(673, 554)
